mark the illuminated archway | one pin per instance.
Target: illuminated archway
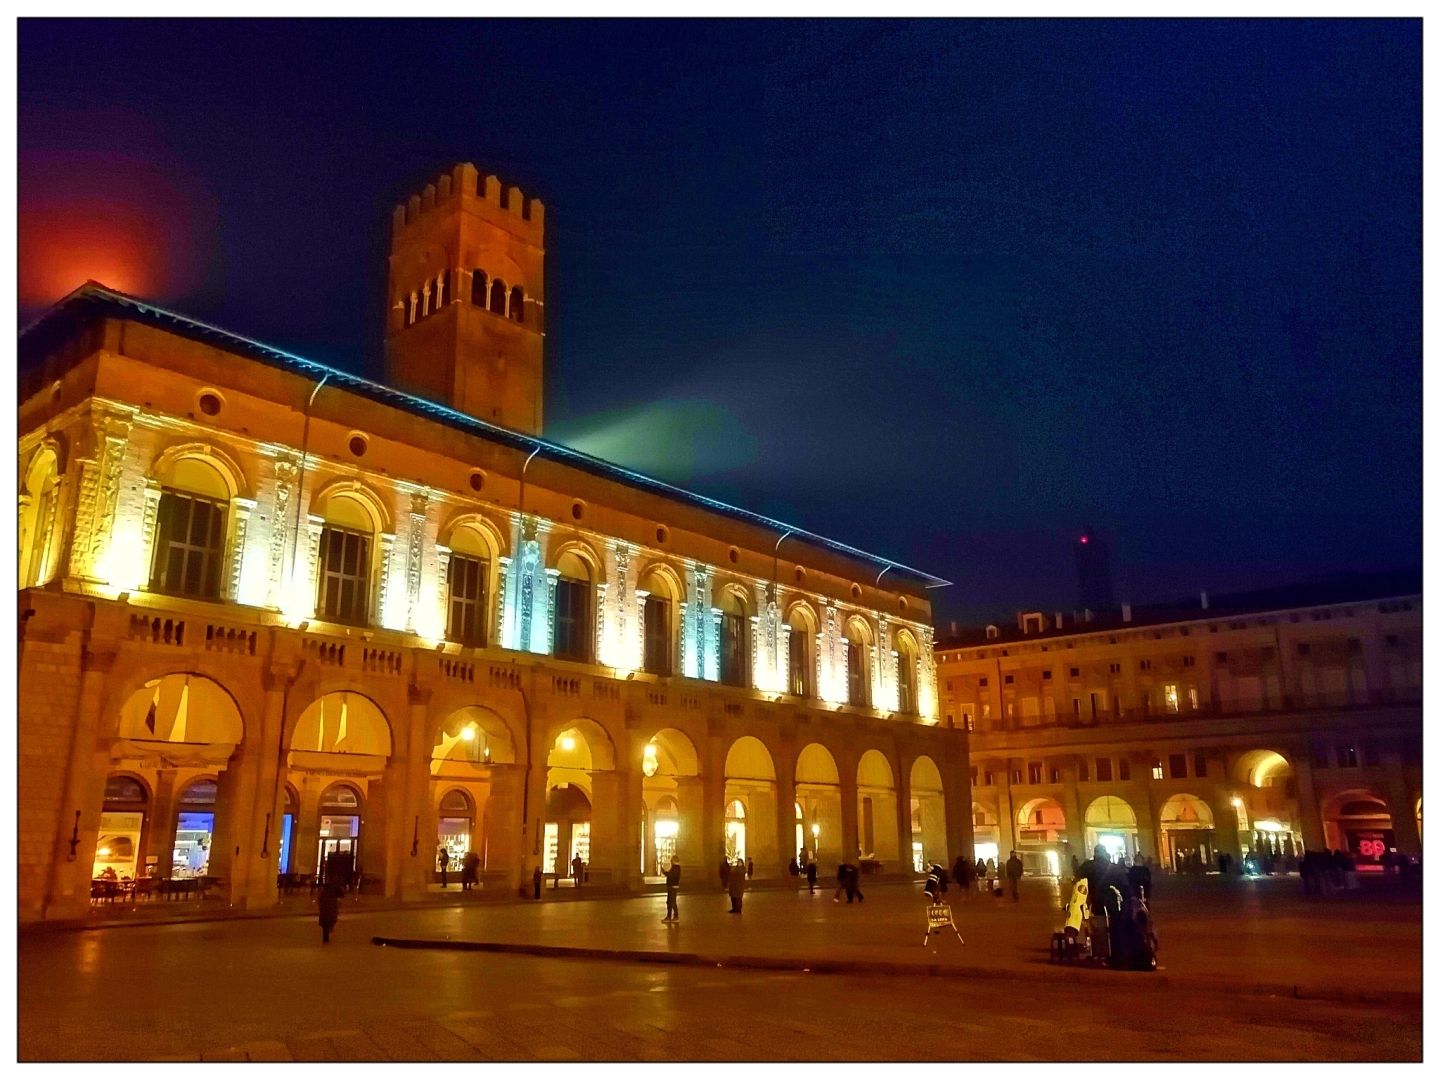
(1110, 823)
(1187, 834)
(817, 794)
(577, 753)
(878, 819)
(671, 802)
(986, 824)
(39, 495)
(1358, 822)
(750, 781)
(927, 814)
(473, 752)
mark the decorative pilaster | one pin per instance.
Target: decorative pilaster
(604, 650)
(684, 634)
(419, 503)
(241, 510)
(756, 675)
(99, 494)
(388, 618)
(782, 657)
(505, 605)
(552, 579)
(280, 517)
(529, 564)
(625, 650)
(149, 516)
(712, 651)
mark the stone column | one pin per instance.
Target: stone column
(503, 833)
(1005, 810)
(848, 847)
(269, 816)
(610, 818)
(1312, 827)
(1402, 805)
(160, 840)
(903, 814)
(235, 804)
(1074, 811)
(690, 845)
(415, 808)
(784, 758)
(78, 827)
(307, 827)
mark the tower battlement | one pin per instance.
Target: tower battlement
(465, 305)
(481, 193)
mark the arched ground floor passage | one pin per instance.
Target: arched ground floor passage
(189, 792)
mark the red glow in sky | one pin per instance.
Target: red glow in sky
(121, 222)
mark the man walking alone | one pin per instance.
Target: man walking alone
(672, 890)
(1014, 870)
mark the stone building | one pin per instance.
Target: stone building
(1269, 723)
(272, 612)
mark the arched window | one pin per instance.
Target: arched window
(412, 312)
(857, 661)
(477, 288)
(469, 588)
(517, 304)
(734, 640)
(735, 830)
(190, 531)
(906, 693)
(659, 623)
(801, 653)
(37, 517)
(574, 634)
(346, 546)
(440, 290)
(497, 297)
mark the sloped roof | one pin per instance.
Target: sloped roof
(1337, 589)
(94, 300)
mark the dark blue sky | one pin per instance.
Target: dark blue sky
(945, 290)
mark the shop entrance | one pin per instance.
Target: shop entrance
(1110, 824)
(194, 830)
(122, 823)
(338, 853)
(1187, 829)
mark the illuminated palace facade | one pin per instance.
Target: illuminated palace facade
(1270, 723)
(273, 612)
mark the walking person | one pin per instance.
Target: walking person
(737, 887)
(444, 858)
(810, 872)
(469, 871)
(962, 877)
(329, 905)
(577, 870)
(1014, 870)
(672, 891)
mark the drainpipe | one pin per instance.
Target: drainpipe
(304, 461)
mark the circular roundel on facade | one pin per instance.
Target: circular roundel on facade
(855, 590)
(477, 480)
(734, 555)
(359, 443)
(577, 510)
(662, 534)
(800, 574)
(904, 605)
(209, 402)
(55, 391)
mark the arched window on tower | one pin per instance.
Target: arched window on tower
(477, 288)
(412, 309)
(497, 297)
(441, 280)
(517, 304)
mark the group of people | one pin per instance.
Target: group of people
(1326, 872)
(469, 869)
(1108, 910)
(985, 875)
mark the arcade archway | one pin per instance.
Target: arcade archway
(671, 803)
(749, 802)
(817, 795)
(878, 813)
(927, 815)
(1110, 823)
(1187, 834)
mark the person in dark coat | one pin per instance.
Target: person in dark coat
(469, 871)
(852, 884)
(1139, 876)
(935, 883)
(536, 878)
(1014, 870)
(737, 887)
(672, 892)
(749, 867)
(577, 870)
(329, 905)
(810, 873)
(962, 876)
(724, 873)
(444, 868)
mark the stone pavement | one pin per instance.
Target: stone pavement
(1247, 935)
(268, 990)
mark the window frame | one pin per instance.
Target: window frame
(212, 558)
(328, 578)
(477, 608)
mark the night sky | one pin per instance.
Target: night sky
(945, 291)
